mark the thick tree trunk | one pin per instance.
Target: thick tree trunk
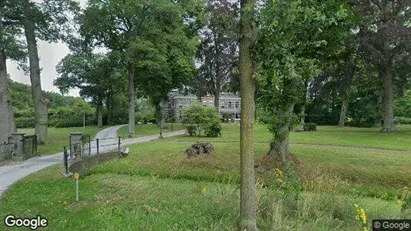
(379, 107)
(131, 107)
(40, 103)
(247, 87)
(280, 147)
(217, 96)
(302, 118)
(7, 125)
(388, 101)
(344, 108)
(99, 116)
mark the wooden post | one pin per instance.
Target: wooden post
(65, 158)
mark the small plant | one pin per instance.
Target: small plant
(361, 216)
(191, 129)
(310, 127)
(405, 200)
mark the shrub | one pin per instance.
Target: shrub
(403, 120)
(310, 127)
(199, 117)
(226, 117)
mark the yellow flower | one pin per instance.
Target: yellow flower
(278, 172)
(204, 190)
(401, 203)
(363, 216)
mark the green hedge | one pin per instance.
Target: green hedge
(403, 120)
(310, 127)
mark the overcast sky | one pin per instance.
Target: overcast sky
(50, 54)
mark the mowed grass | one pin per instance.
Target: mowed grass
(149, 129)
(59, 137)
(158, 188)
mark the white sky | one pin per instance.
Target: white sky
(50, 55)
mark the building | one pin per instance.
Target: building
(229, 103)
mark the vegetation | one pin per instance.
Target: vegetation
(203, 192)
(199, 118)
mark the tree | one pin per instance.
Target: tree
(218, 52)
(10, 47)
(384, 40)
(248, 200)
(48, 21)
(94, 74)
(293, 37)
(150, 37)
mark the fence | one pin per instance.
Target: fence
(30, 146)
(6, 149)
(82, 146)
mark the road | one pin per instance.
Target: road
(10, 174)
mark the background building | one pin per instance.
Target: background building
(229, 103)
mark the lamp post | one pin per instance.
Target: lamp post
(161, 120)
(84, 115)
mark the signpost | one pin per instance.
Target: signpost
(76, 177)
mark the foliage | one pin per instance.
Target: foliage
(310, 127)
(24, 112)
(403, 120)
(199, 117)
(293, 37)
(72, 116)
(145, 111)
(402, 106)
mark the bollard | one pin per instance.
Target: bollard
(65, 157)
(119, 142)
(98, 150)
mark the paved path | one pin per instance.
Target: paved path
(110, 132)
(11, 173)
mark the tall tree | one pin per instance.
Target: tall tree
(218, 52)
(10, 48)
(248, 204)
(384, 40)
(144, 34)
(7, 125)
(293, 37)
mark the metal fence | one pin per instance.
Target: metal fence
(30, 146)
(6, 150)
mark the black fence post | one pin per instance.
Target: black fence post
(71, 155)
(89, 145)
(65, 156)
(97, 143)
(119, 142)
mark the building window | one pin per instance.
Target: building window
(229, 104)
(237, 104)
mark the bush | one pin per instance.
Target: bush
(199, 117)
(310, 127)
(403, 120)
(227, 117)
(191, 129)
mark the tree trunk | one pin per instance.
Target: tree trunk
(131, 108)
(217, 96)
(7, 125)
(344, 108)
(40, 103)
(388, 102)
(280, 147)
(99, 116)
(302, 118)
(380, 107)
(247, 87)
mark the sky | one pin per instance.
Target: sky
(50, 55)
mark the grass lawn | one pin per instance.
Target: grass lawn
(59, 137)
(149, 129)
(158, 188)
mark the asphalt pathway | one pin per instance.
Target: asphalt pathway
(11, 173)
